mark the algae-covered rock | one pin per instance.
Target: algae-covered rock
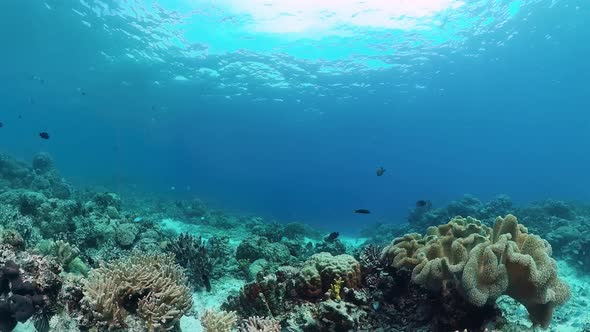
(257, 247)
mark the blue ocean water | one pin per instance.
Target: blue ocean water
(285, 109)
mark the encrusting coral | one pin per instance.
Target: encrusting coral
(152, 287)
(484, 263)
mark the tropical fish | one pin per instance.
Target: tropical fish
(362, 211)
(422, 203)
(206, 282)
(380, 171)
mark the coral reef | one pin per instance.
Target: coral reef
(192, 254)
(221, 321)
(269, 296)
(484, 263)
(320, 270)
(19, 299)
(259, 324)
(151, 287)
(70, 261)
(256, 247)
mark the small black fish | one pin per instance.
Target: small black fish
(44, 135)
(422, 203)
(206, 282)
(331, 237)
(362, 211)
(91, 261)
(380, 171)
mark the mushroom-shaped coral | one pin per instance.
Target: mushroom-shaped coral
(485, 263)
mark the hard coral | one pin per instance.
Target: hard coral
(152, 287)
(221, 321)
(320, 270)
(259, 324)
(485, 263)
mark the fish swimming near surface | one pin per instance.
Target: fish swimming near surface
(331, 237)
(362, 211)
(380, 171)
(44, 135)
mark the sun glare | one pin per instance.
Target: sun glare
(338, 16)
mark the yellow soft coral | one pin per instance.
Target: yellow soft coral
(485, 263)
(335, 289)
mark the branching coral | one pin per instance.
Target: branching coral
(259, 324)
(222, 321)
(153, 287)
(485, 263)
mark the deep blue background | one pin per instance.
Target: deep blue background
(514, 121)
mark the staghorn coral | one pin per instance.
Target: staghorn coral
(152, 287)
(484, 263)
(221, 321)
(259, 324)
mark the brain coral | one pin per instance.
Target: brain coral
(484, 263)
(321, 270)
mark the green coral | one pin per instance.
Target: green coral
(485, 263)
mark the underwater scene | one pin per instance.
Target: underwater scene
(295, 165)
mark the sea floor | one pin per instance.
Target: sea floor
(574, 316)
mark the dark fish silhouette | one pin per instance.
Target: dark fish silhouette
(362, 211)
(44, 135)
(422, 203)
(331, 237)
(380, 171)
(206, 282)
(1, 124)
